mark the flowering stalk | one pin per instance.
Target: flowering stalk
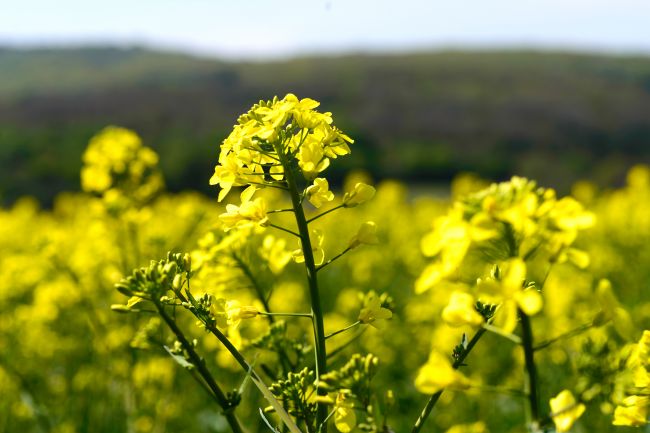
(310, 265)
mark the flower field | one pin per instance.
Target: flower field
(280, 304)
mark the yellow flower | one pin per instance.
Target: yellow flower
(438, 374)
(227, 174)
(360, 194)
(367, 234)
(316, 238)
(508, 291)
(344, 417)
(116, 160)
(249, 213)
(311, 159)
(565, 410)
(319, 192)
(373, 311)
(273, 250)
(229, 313)
(632, 412)
(477, 427)
(460, 311)
(613, 310)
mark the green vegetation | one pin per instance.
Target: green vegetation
(556, 117)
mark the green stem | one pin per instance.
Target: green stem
(333, 258)
(219, 396)
(357, 323)
(316, 309)
(500, 332)
(435, 397)
(266, 313)
(256, 285)
(572, 333)
(324, 213)
(283, 229)
(531, 369)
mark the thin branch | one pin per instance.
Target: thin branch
(357, 323)
(266, 313)
(324, 213)
(500, 332)
(343, 346)
(333, 259)
(569, 334)
(283, 229)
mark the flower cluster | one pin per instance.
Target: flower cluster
(270, 133)
(514, 229)
(119, 167)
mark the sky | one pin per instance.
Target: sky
(257, 29)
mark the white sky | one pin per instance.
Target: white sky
(276, 28)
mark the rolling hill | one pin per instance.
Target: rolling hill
(420, 117)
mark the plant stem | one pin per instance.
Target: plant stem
(572, 333)
(316, 309)
(435, 397)
(266, 313)
(283, 229)
(339, 255)
(500, 332)
(219, 396)
(324, 213)
(343, 330)
(531, 369)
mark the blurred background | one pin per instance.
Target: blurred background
(557, 91)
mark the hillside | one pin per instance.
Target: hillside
(420, 117)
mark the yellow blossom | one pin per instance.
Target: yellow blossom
(565, 410)
(477, 427)
(508, 291)
(367, 234)
(273, 250)
(312, 159)
(373, 311)
(249, 213)
(319, 192)
(460, 311)
(316, 238)
(632, 412)
(344, 417)
(438, 374)
(360, 194)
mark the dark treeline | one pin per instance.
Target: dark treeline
(557, 117)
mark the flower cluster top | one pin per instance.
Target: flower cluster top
(271, 136)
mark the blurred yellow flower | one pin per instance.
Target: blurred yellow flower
(367, 234)
(565, 410)
(460, 311)
(373, 311)
(345, 419)
(438, 374)
(632, 412)
(360, 194)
